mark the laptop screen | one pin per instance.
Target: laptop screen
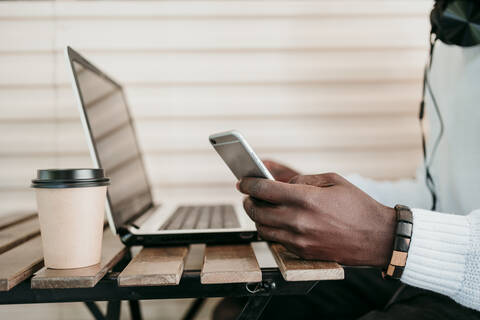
(115, 142)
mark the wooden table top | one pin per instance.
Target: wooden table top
(21, 258)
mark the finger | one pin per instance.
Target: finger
(319, 180)
(277, 170)
(270, 191)
(275, 234)
(271, 165)
(268, 214)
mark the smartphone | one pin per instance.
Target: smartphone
(238, 155)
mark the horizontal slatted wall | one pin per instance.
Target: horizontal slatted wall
(321, 85)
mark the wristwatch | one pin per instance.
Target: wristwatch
(401, 244)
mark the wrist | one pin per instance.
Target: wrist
(384, 243)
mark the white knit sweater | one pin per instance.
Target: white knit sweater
(444, 253)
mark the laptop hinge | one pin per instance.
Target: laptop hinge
(138, 220)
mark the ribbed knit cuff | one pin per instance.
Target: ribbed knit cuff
(438, 252)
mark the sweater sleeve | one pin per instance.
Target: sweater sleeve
(410, 192)
(444, 255)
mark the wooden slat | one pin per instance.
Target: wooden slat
(175, 168)
(249, 67)
(224, 101)
(172, 169)
(236, 34)
(18, 34)
(11, 198)
(264, 255)
(196, 252)
(293, 133)
(17, 199)
(273, 100)
(24, 167)
(38, 103)
(11, 219)
(112, 252)
(23, 10)
(43, 137)
(197, 9)
(191, 134)
(230, 264)
(20, 263)
(155, 266)
(202, 68)
(18, 234)
(295, 269)
(36, 66)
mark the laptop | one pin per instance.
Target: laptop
(130, 209)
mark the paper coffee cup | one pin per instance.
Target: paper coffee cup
(71, 204)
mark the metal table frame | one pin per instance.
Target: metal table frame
(107, 289)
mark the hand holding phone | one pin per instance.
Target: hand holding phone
(238, 155)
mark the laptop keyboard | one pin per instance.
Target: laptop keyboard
(202, 217)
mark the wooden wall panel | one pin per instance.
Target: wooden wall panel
(26, 103)
(190, 134)
(17, 35)
(324, 85)
(205, 168)
(16, 200)
(205, 67)
(225, 100)
(257, 33)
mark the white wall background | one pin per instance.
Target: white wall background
(322, 85)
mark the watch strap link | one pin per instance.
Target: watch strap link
(401, 244)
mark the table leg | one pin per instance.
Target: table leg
(193, 309)
(135, 311)
(95, 310)
(113, 310)
(254, 307)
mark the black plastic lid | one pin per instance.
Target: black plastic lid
(70, 178)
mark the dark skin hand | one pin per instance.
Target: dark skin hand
(321, 217)
(279, 171)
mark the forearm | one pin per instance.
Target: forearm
(444, 255)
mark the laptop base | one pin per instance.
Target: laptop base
(154, 240)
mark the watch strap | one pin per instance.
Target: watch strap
(401, 244)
